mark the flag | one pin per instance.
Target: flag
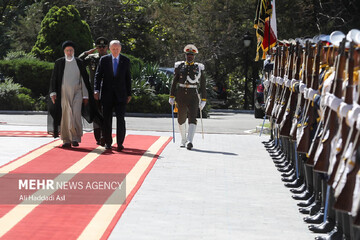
(265, 14)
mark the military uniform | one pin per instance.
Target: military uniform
(92, 61)
(188, 78)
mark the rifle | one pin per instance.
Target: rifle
(285, 125)
(344, 131)
(273, 86)
(300, 100)
(322, 154)
(286, 90)
(327, 61)
(280, 87)
(312, 76)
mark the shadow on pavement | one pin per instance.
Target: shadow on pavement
(214, 152)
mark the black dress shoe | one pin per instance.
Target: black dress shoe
(335, 234)
(102, 141)
(189, 146)
(276, 154)
(315, 219)
(120, 148)
(302, 196)
(66, 145)
(108, 146)
(285, 169)
(306, 210)
(288, 174)
(324, 227)
(289, 179)
(75, 143)
(279, 161)
(316, 208)
(308, 202)
(297, 183)
(283, 164)
(298, 190)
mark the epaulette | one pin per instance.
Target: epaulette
(201, 66)
(178, 63)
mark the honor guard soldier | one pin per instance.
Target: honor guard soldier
(91, 60)
(189, 76)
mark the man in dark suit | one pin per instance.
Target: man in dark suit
(112, 86)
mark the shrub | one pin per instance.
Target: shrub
(59, 25)
(15, 97)
(32, 74)
(149, 104)
(19, 54)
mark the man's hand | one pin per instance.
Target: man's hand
(85, 101)
(128, 99)
(96, 96)
(202, 105)
(91, 51)
(171, 100)
(53, 98)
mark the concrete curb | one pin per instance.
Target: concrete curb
(128, 114)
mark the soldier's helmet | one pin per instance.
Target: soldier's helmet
(190, 48)
(101, 41)
(336, 37)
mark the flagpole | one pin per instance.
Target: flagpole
(269, 52)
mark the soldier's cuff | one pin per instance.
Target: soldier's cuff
(172, 96)
(203, 99)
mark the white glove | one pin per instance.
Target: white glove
(344, 109)
(302, 87)
(293, 81)
(287, 83)
(171, 100)
(353, 115)
(306, 93)
(312, 93)
(202, 105)
(335, 103)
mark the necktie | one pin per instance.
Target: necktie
(115, 66)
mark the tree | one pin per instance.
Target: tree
(24, 32)
(9, 13)
(59, 25)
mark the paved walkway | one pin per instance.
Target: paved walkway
(226, 188)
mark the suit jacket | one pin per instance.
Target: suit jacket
(109, 85)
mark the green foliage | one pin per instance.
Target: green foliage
(149, 103)
(24, 31)
(59, 25)
(235, 92)
(32, 74)
(20, 54)
(149, 80)
(15, 97)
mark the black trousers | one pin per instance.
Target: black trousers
(120, 108)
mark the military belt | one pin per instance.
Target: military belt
(187, 85)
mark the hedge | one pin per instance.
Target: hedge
(149, 104)
(30, 73)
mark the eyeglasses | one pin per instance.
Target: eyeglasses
(101, 46)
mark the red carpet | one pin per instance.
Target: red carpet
(90, 215)
(24, 134)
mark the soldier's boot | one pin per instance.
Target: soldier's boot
(183, 135)
(190, 137)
